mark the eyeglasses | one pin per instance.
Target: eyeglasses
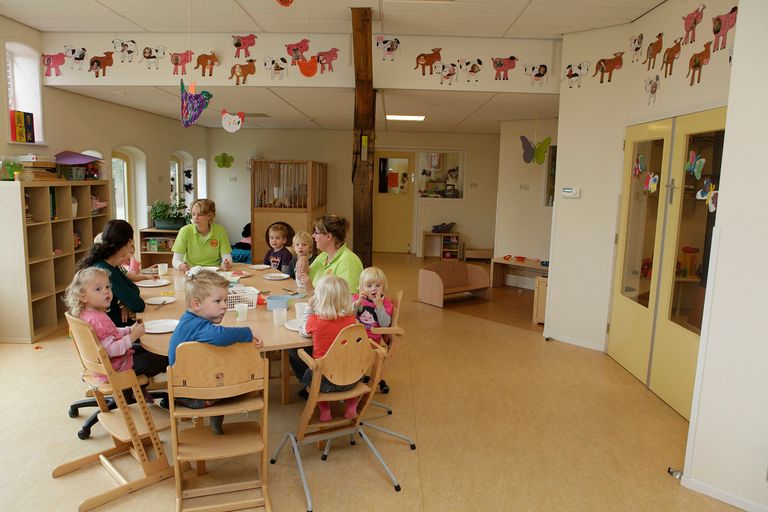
(316, 232)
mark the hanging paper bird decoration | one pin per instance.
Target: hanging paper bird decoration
(224, 160)
(536, 153)
(232, 122)
(651, 182)
(639, 167)
(708, 194)
(695, 164)
(192, 105)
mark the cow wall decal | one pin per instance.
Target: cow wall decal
(428, 60)
(575, 73)
(243, 43)
(720, 27)
(52, 61)
(670, 54)
(502, 66)
(698, 61)
(653, 50)
(690, 21)
(296, 50)
(100, 63)
(180, 61)
(388, 47)
(152, 55)
(126, 49)
(76, 55)
(241, 71)
(207, 61)
(607, 66)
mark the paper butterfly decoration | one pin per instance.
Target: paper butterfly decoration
(224, 160)
(536, 153)
(192, 105)
(639, 167)
(651, 182)
(232, 122)
(695, 164)
(708, 194)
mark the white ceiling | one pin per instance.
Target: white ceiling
(313, 108)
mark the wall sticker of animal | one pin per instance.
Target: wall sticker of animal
(448, 72)
(326, 59)
(574, 74)
(608, 66)
(206, 61)
(276, 67)
(296, 50)
(52, 61)
(242, 71)
(152, 55)
(653, 50)
(180, 61)
(721, 25)
(690, 21)
(503, 65)
(76, 55)
(670, 54)
(308, 68)
(636, 47)
(388, 47)
(100, 63)
(651, 87)
(428, 59)
(243, 43)
(126, 49)
(538, 73)
(698, 61)
(471, 67)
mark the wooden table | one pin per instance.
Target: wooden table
(276, 338)
(528, 268)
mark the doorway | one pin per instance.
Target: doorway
(393, 201)
(668, 209)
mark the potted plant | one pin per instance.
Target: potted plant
(171, 214)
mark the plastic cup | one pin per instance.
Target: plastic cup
(300, 307)
(179, 283)
(242, 312)
(279, 316)
(162, 269)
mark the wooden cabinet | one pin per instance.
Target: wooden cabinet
(155, 246)
(291, 191)
(448, 245)
(540, 300)
(49, 225)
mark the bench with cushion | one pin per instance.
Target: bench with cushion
(450, 277)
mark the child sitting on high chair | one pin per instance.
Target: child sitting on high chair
(328, 312)
(302, 246)
(88, 298)
(278, 256)
(372, 308)
(206, 295)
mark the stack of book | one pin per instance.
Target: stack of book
(22, 126)
(38, 167)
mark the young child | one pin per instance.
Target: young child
(206, 295)
(278, 256)
(328, 312)
(372, 308)
(302, 246)
(88, 298)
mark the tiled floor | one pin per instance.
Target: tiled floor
(503, 421)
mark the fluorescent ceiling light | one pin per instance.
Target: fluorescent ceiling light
(392, 117)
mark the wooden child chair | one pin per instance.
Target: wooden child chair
(238, 376)
(133, 428)
(350, 357)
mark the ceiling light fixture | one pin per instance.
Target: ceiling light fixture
(395, 117)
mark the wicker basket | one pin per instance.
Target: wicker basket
(71, 172)
(242, 295)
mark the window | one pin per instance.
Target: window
(202, 178)
(440, 174)
(120, 181)
(23, 78)
(549, 197)
(175, 178)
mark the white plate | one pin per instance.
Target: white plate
(260, 267)
(156, 301)
(293, 325)
(241, 273)
(160, 326)
(153, 283)
(277, 276)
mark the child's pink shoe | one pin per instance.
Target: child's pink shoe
(325, 411)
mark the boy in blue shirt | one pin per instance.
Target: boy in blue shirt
(206, 295)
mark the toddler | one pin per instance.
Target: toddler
(302, 246)
(88, 298)
(278, 256)
(328, 312)
(206, 295)
(372, 308)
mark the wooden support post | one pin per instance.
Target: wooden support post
(363, 136)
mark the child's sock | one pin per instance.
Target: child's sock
(325, 411)
(147, 397)
(217, 425)
(351, 410)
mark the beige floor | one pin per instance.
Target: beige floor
(503, 421)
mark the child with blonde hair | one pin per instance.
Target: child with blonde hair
(329, 311)
(88, 298)
(372, 308)
(206, 295)
(303, 246)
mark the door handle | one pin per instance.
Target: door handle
(671, 190)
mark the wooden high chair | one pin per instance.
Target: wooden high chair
(350, 357)
(133, 427)
(238, 376)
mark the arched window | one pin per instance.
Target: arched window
(121, 183)
(202, 178)
(23, 78)
(175, 177)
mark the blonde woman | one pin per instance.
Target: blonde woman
(202, 243)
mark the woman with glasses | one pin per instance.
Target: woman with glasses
(335, 257)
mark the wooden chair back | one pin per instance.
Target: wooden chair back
(86, 344)
(349, 357)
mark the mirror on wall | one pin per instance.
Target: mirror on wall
(440, 174)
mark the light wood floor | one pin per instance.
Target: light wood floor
(503, 421)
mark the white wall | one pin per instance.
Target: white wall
(727, 454)
(592, 123)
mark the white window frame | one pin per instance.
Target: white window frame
(26, 97)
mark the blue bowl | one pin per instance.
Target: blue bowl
(545, 263)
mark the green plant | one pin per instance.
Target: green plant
(173, 210)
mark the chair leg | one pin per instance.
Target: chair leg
(74, 408)
(391, 433)
(327, 449)
(303, 476)
(279, 448)
(85, 431)
(381, 460)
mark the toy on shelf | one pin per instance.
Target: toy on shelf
(97, 204)
(688, 266)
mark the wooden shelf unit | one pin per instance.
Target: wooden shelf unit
(449, 245)
(291, 191)
(40, 254)
(148, 257)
